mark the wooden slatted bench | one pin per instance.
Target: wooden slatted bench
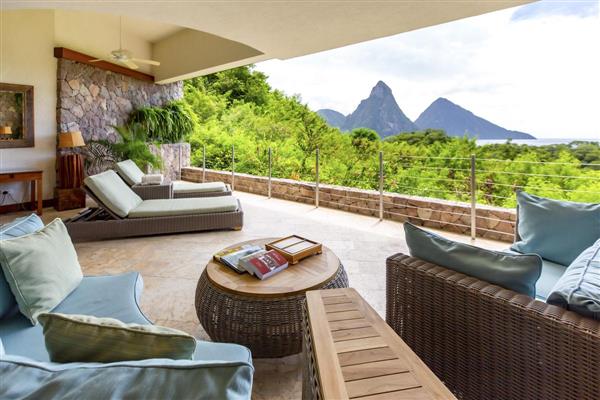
(350, 353)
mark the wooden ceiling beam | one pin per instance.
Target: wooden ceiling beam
(67, 54)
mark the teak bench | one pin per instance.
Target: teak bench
(350, 352)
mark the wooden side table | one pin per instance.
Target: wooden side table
(35, 177)
(350, 352)
(69, 199)
(265, 316)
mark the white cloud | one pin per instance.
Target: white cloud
(537, 74)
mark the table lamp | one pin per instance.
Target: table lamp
(5, 132)
(70, 166)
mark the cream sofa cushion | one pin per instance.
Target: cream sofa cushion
(130, 172)
(192, 187)
(113, 192)
(41, 268)
(171, 207)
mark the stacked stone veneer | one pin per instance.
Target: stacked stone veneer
(174, 156)
(492, 222)
(92, 100)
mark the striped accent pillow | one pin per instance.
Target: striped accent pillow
(83, 338)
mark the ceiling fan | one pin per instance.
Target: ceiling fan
(124, 56)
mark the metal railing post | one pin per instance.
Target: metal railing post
(473, 186)
(381, 185)
(204, 163)
(317, 178)
(270, 171)
(232, 168)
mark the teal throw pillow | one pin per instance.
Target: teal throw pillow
(556, 230)
(512, 271)
(578, 289)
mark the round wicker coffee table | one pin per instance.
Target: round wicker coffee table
(265, 316)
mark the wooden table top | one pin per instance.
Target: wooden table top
(358, 355)
(311, 273)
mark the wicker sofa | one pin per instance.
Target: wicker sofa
(486, 342)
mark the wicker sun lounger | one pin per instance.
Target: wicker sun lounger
(103, 223)
(132, 175)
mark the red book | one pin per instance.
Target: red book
(268, 264)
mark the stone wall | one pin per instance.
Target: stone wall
(492, 222)
(173, 156)
(92, 100)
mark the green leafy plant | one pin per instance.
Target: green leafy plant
(237, 107)
(169, 124)
(98, 156)
(134, 146)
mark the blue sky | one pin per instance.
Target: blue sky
(532, 68)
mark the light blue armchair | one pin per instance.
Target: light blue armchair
(218, 370)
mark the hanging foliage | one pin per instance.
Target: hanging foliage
(169, 124)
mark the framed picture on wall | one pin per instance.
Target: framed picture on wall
(16, 116)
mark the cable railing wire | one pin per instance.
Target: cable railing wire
(537, 175)
(458, 187)
(538, 162)
(536, 187)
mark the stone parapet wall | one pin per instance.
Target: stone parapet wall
(173, 156)
(492, 222)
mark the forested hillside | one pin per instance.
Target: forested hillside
(239, 107)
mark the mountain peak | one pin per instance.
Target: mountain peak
(380, 90)
(379, 112)
(442, 100)
(458, 121)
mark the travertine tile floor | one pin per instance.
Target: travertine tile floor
(171, 266)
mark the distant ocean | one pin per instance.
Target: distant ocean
(534, 142)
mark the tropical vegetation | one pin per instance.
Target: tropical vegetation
(238, 107)
(133, 144)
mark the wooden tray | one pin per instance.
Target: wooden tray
(294, 248)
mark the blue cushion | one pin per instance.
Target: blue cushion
(556, 230)
(515, 272)
(579, 288)
(21, 226)
(18, 227)
(115, 296)
(551, 273)
(146, 379)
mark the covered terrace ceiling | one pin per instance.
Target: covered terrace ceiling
(200, 37)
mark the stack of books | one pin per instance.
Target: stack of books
(252, 259)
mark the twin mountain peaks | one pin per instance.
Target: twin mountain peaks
(381, 113)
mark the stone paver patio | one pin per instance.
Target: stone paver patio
(171, 266)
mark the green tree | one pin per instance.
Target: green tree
(238, 107)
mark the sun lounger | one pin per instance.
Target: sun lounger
(133, 176)
(122, 213)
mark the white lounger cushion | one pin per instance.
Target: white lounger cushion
(192, 187)
(171, 207)
(113, 192)
(130, 172)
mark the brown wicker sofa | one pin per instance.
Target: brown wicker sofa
(487, 342)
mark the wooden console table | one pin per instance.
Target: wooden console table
(350, 352)
(35, 177)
